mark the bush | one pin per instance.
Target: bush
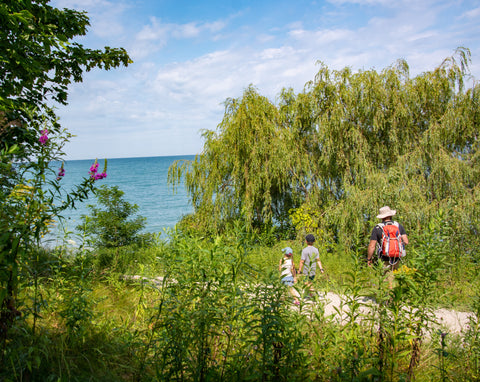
(111, 225)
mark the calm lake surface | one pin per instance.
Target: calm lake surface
(144, 182)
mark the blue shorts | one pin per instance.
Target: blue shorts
(288, 280)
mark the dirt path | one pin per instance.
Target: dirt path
(449, 321)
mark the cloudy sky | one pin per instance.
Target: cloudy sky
(191, 55)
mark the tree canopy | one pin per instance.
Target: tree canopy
(326, 159)
(38, 60)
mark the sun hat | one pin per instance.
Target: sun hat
(288, 251)
(386, 212)
(310, 238)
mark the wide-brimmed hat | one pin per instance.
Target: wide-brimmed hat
(288, 251)
(385, 212)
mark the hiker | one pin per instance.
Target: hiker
(310, 259)
(287, 269)
(391, 238)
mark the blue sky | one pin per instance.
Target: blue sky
(190, 56)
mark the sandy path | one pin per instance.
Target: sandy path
(449, 321)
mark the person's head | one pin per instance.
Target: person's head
(287, 251)
(310, 239)
(386, 213)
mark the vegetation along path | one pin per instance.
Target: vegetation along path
(337, 307)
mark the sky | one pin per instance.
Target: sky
(190, 56)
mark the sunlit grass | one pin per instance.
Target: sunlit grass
(222, 314)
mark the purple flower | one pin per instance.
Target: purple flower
(61, 173)
(94, 169)
(44, 137)
(100, 176)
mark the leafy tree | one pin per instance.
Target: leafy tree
(38, 60)
(242, 170)
(345, 146)
(110, 221)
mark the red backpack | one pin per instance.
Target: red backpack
(392, 245)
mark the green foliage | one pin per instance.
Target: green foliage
(38, 60)
(242, 171)
(472, 340)
(111, 223)
(327, 158)
(220, 313)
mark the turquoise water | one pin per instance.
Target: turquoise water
(144, 182)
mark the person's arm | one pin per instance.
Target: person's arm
(300, 267)
(403, 234)
(280, 265)
(371, 251)
(319, 263)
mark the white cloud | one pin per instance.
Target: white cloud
(82, 4)
(324, 36)
(104, 15)
(189, 30)
(472, 14)
(156, 35)
(361, 2)
(158, 107)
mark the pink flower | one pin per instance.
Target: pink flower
(101, 176)
(94, 169)
(61, 173)
(44, 137)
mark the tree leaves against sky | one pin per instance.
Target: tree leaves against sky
(348, 144)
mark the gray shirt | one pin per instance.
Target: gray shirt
(309, 256)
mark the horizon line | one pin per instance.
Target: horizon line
(133, 157)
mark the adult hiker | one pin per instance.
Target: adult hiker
(390, 238)
(310, 259)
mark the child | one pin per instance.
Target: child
(309, 261)
(287, 269)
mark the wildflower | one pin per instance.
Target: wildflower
(100, 176)
(61, 172)
(94, 167)
(94, 171)
(44, 137)
(405, 270)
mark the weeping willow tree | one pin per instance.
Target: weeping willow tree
(348, 144)
(241, 171)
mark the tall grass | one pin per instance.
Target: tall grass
(219, 313)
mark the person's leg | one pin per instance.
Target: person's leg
(310, 284)
(390, 266)
(295, 295)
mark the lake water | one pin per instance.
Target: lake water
(144, 182)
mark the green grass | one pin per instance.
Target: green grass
(227, 317)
